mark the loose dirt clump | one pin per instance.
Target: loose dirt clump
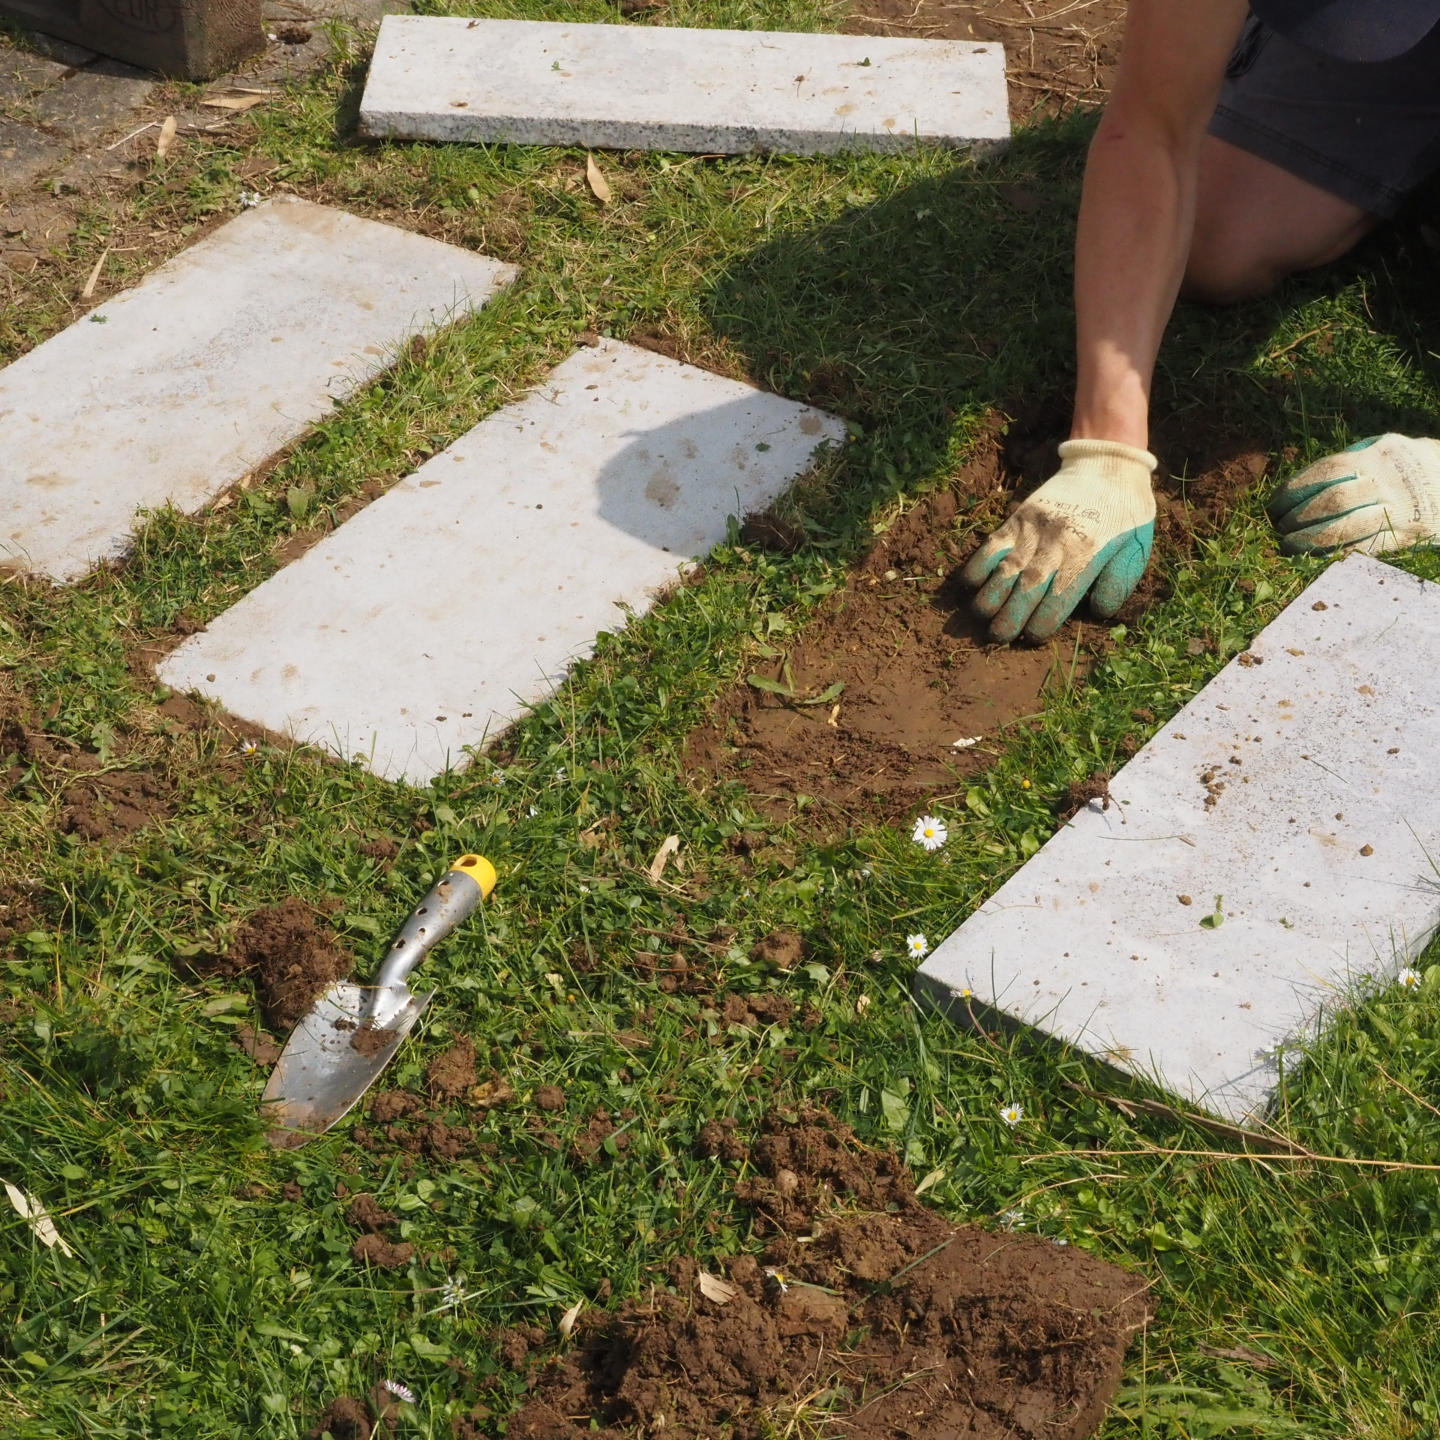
(549, 1097)
(346, 1418)
(782, 948)
(377, 1250)
(388, 1105)
(285, 952)
(887, 1323)
(115, 804)
(753, 1010)
(259, 1046)
(367, 1214)
(452, 1074)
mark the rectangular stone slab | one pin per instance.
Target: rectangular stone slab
(1301, 786)
(438, 613)
(659, 88)
(175, 390)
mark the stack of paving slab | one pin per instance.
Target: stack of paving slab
(1273, 850)
(428, 621)
(663, 88)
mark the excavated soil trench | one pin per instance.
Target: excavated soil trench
(916, 698)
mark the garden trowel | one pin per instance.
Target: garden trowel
(352, 1031)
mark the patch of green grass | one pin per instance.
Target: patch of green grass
(915, 295)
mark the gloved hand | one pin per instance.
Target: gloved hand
(1382, 494)
(1089, 527)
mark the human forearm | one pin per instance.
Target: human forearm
(1137, 212)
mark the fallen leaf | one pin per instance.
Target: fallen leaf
(568, 1319)
(166, 138)
(598, 183)
(490, 1093)
(712, 1287)
(668, 847)
(933, 1178)
(237, 98)
(33, 1212)
(89, 289)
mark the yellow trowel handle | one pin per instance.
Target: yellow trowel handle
(455, 895)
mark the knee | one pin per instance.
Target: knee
(1221, 272)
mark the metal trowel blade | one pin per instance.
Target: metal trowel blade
(329, 1062)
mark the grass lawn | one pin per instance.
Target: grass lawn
(212, 1291)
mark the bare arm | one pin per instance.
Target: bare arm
(1137, 210)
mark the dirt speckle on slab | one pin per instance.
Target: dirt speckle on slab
(290, 957)
(888, 1323)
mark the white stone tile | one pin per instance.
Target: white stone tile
(173, 391)
(437, 614)
(647, 87)
(1324, 844)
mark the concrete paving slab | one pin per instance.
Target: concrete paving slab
(224, 355)
(1300, 786)
(663, 88)
(440, 612)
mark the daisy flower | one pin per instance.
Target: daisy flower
(248, 747)
(917, 945)
(453, 1291)
(1409, 979)
(1012, 1114)
(249, 199)
(930, 832)
(777, 1277)
(399, 1391)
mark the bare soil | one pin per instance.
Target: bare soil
(882, 1324)
(924, 698)
(1058, 53)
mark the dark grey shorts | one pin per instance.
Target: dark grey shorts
(1367, 133)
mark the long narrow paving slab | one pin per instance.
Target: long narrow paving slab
(1295, 801)
(173, 391)
(533, 82)
(436, 615)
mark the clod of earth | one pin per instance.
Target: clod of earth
(451, 1074)
(887, 1323)
(285, 951)
(345, 1418)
